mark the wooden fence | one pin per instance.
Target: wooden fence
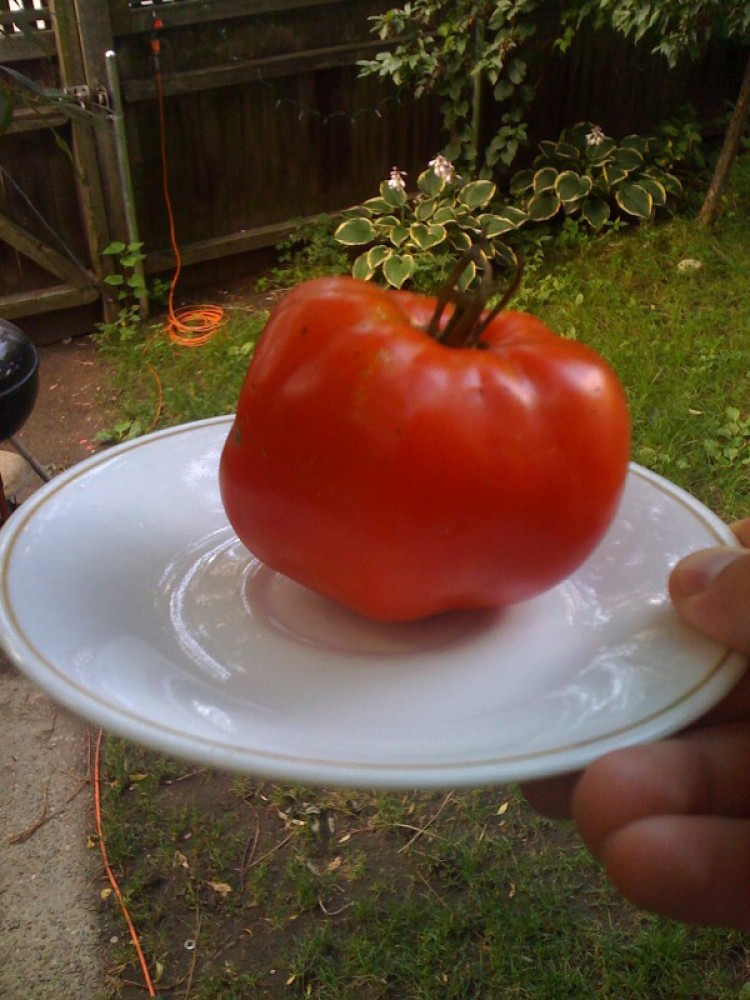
(265, 120)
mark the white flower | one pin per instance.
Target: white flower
(596, 136)
(396, 180)
(443, 168)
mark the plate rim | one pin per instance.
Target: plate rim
(722, 676)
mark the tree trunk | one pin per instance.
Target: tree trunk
(730, 146)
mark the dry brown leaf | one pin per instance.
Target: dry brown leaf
(221, 887)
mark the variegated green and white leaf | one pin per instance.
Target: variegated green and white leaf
(635, 200)
(377, 206)
(477, 194)
(425, 209)
(377, 255)
(430, 183)
(355, 232)
(544, 179)
(398, 234)
(544, 205)
(395, 196)
(595, 211)
(467, 276)
(627, 159)
(427, 237)
(655, 189)
(397, 269)
(569, 186)
(362, 269)
(522, 181)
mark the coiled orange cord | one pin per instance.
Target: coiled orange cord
(191, 326)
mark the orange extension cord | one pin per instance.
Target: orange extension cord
(193, 325)
(188, 327)
(108, 870)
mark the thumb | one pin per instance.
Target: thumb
(711, 590)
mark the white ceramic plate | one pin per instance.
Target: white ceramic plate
(126, 596)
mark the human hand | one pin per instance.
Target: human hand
(670, 820)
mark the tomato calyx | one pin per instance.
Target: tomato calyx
(468, 321)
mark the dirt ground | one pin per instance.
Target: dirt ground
(49, 877)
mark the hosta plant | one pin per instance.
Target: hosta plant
(587, 174)
(401, 229)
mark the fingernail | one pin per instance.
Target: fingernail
(698, 571)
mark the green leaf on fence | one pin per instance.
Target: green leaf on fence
(355, 232)
(503, 90)
(517, 71)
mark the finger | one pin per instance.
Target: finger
(733, 707)
(691, 868)
(711, 590)
(552, 797)
(742, 530)
(701, 773)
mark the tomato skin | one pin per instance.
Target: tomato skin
(401, 477)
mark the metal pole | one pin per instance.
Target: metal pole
(123, 161)
(24, 452)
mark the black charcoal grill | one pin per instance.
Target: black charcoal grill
(19, 385)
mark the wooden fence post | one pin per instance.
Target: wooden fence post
(88, 175)
(96, 38)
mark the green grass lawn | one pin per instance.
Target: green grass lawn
(295, 892)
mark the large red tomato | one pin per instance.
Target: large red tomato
(403, 477)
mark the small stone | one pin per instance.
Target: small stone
(16, 473)
(689, 264)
